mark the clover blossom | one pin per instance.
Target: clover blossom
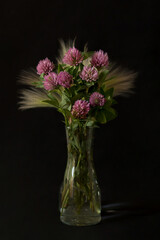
(100, 59)
(80, 109)
(45, 66)
(73, 57)
(97, 99)
(89, 74)
(65, 79)
(50, 81)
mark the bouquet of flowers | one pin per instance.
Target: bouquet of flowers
(82, 86)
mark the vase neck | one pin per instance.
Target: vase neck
(80, 144)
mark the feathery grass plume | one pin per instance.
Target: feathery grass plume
(85, 47)
(33, 98)
(121, 79)
(64, 47)
(28, 77)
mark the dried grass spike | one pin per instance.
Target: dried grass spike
(33, 98)
(28, 77)
(122, 80)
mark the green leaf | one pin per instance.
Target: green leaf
(75, 71)
(102, 91)
(101, 116)
(38, 84)
(90, 123)
(69, 69)
(81, 88)
(110, 113)
(90, 84)
(109, 93)
(80, 67)
(77, 96)
(42, 76)
(52, 102)
(65, 102)
(60, 68)
(103, 75)
(87, 54)
(68, 92)
(53, 99)
(108, 103)
(53, 96)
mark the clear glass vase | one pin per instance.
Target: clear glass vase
(80, 198)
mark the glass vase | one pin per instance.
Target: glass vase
(80, 198)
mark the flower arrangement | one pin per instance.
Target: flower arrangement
(82, 86)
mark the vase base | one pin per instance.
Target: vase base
(80, 220)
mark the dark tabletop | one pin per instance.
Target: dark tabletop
(30, 224)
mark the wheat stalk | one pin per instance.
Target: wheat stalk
(33, 98)
(122, 80)
(28, 77)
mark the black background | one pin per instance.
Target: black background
(33, 145)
